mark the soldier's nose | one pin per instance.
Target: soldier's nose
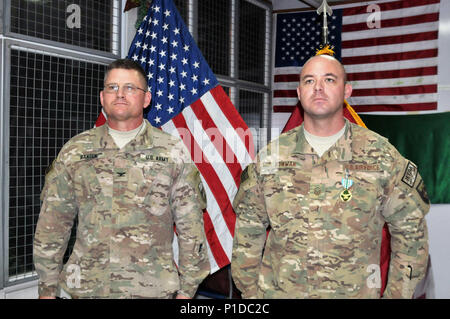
(318, 86)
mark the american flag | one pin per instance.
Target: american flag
(188, 102)
(389, 50)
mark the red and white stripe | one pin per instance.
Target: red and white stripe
(391, 68)
(221, 147)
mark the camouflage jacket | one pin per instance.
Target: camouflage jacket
(324, 241)
(127, 201)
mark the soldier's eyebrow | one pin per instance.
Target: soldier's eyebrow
(304, 77)
(331, 74)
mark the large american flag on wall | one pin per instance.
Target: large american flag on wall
(188, 102)
(389, 50)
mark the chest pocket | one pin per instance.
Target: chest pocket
(150, 182)
(355, 210)
(283, 190)
(86, 182)
(93, 196)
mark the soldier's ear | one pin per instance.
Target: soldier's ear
(101, 98)
(148, 99)
(347, 90)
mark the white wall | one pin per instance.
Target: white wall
(438, 220)
(26, 290)
(128, 29)
(439, 217)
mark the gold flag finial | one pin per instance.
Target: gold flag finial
(327, 49)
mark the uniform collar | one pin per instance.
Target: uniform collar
(144, 140)
(341, 150)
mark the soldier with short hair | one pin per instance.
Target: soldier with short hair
(127, 183)
(326, 188)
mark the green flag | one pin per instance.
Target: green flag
(425, 140)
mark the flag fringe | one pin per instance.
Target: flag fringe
(355, 115)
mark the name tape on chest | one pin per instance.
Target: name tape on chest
(287, 164)
(363, 167)
(268, 168)
(151, 157)
(143, 157)
(89, 156)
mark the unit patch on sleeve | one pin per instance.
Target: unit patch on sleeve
(244, 175)
(410, 174)
(423, 192)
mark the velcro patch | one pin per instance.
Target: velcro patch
(244, 175)
(410, 174)
(422, 191)
(50, 167)
(248, 178)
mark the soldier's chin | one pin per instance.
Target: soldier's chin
(322, 112)
(320, 115)
(118, 117)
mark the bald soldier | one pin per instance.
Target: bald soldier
(326, 188)
(127, 183)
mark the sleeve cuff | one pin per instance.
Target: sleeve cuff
(46, 291)
(187, 291)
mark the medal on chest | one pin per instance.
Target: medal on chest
(346, 194)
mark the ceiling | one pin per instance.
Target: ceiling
(316, 3)
(306, 4)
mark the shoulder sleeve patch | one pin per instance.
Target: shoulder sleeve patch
(244, 175)
(248, 177)
(50, 167)
(410, 174)
(422, 191)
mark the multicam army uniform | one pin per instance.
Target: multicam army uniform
(321, 245)
(127, 201)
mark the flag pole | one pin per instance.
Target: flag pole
(324, 10)
(325, 48)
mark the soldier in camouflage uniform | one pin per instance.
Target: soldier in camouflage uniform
(326, 212)
(127, 200)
